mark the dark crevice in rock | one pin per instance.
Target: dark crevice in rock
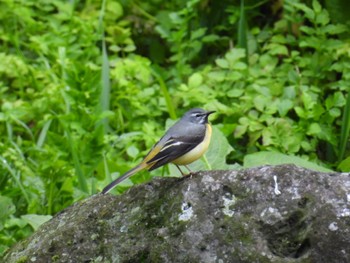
(289, 236)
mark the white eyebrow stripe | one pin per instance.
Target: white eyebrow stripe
(170, 145)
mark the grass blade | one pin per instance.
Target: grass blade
(16, 177)
(105, 165)
(105, 84)
(164, 89)
(242, 31)
(78, 169)
(43, 134)
(104, 100)
(21, 123)
(345, 129)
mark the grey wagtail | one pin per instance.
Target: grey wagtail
(185, 142)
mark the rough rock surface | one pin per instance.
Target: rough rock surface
(216, 216)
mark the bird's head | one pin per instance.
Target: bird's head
(197, 115)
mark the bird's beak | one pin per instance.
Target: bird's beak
(209, 112)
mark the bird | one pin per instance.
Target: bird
(183, 143)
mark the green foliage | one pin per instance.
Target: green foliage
(88, 86)
(338, 10)
(275, 158)
(345, 129)
(289, 97)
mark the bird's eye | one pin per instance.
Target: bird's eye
(197, 115)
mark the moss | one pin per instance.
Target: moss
(157, 214)
(55, 258)
(22, 259)
(234, 229)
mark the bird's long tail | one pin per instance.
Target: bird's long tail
(129, 173)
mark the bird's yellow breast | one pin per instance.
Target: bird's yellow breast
(196, 152)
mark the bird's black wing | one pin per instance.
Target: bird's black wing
(174, 148)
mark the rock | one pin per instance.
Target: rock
(214, 216)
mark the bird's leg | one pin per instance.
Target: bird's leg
(188, 168)
(190, 174)
(183, 174)
(180, 170)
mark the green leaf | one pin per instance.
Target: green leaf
(239, 66)
(14, 222)
(293, 76)
(222, 63)
(322, 18)
(275, 158)
(316, 6)
(210, 38)
(314, 129)
(132, 151)
(198, 33)
(36, 220)
(334, 29)
(334, 112)
(309, 13)
(218, 76)
(115, 9)
(344, 165)
(308, 30)
(235, 93)
(260, 102)
(339, 99)
(235, 55)
(284, 106)
(277, 49)
(195, 80)
(7, 208)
